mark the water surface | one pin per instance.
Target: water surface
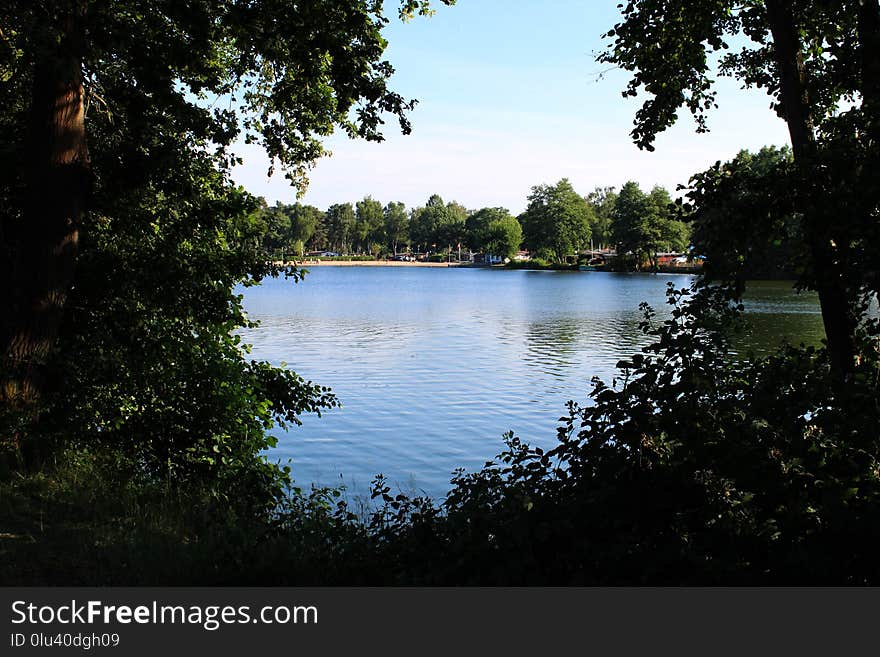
(432, 366)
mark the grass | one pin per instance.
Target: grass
(90, 520)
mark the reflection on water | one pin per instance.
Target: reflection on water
(433, 365)
(776, 313)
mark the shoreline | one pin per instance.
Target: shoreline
(367, 263)
(466, 265)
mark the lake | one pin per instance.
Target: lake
(432, 366)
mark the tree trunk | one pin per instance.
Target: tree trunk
(837, 311)
(43, 246)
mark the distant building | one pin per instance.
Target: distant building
(487, 259)
(668, 259)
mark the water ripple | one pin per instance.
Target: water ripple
(434, 365)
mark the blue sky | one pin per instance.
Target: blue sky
(510, 97)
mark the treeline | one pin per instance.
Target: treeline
(558, 222)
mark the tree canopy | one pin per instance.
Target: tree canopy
(636, 220)
(602, 200)
(369, 223)
(503, 236)
(557, 219)
(340, 225)
(396, 224)
(438, 224)
(644, 224)
(121, 148)
(817, 61)
(743, 219)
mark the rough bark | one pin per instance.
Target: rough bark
(43, 244)
(834, 298)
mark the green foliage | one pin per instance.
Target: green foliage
(340, 220)
(450, 225)
(504, 235)
(558, 219)
(438, 225)
(744, 218)
(287, 228)
(477, 227)
(536, 262)
(817, 61)
(148, 361)
(289, 73)
(422, 223)
(396, 225)
(644, 226)
(672, 235)
(689, 468)
(634, 221)
(93, 518)
(275, 227)
(673, 59)
(675, 236)
(369, 224)
(602, 200)
(304, 223)
(494, 231)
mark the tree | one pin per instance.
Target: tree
(477, 226)
(289, 73)
(743, 218)
(340, 220)
(504, 235)
(817, 60)
(674, 234)
(636, 228)
(287, 228)
(370, 223)
(557, 219)
(304, 222)
(276, 235)
(319, 239)
(644, 225)
(421, 228)
(396, 224)
(602, 200)
(450, 225)
(437, 223)
(141, 183)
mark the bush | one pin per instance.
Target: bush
(94, 518)
(690, 468)
(149, 364)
